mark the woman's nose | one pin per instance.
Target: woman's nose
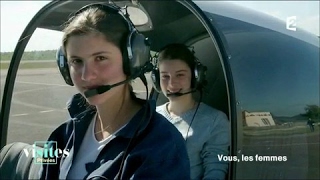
(173, 82)
(88, 72)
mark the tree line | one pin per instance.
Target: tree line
(312, 112)
(31, 55)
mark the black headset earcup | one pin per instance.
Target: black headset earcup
(138, 50)
(63, 66)
(155, 78)
(200, 72)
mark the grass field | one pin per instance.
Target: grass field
(296, 128)
(30, 65)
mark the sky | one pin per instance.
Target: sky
(15, 15)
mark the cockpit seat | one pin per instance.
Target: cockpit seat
(14, 164)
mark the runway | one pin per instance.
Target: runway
(39, 103)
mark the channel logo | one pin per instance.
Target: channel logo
(45, 152)
(291, 23)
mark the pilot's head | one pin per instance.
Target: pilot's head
(176, 65)
(94, 41)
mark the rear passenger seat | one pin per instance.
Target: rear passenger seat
(14, 164)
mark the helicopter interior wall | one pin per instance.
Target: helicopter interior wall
(178, 25)
(215, 91)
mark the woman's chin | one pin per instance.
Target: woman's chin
(100, 99)
(95, 100)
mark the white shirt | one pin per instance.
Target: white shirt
(88, 152)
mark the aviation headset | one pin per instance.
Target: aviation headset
(198, 71)
(135, 53)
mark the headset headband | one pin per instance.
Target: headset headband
(114, 10)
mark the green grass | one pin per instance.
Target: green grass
(33, 65)
(281, 131)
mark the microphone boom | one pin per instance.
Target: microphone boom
(177, 94)
(103, 89)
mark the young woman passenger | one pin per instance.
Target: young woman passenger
(113, 134)
(205, 129)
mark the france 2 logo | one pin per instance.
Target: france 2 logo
(291, 23)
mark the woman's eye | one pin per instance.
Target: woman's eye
(75, 61)
(100, 58)
(180, 75)
(165, 77)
